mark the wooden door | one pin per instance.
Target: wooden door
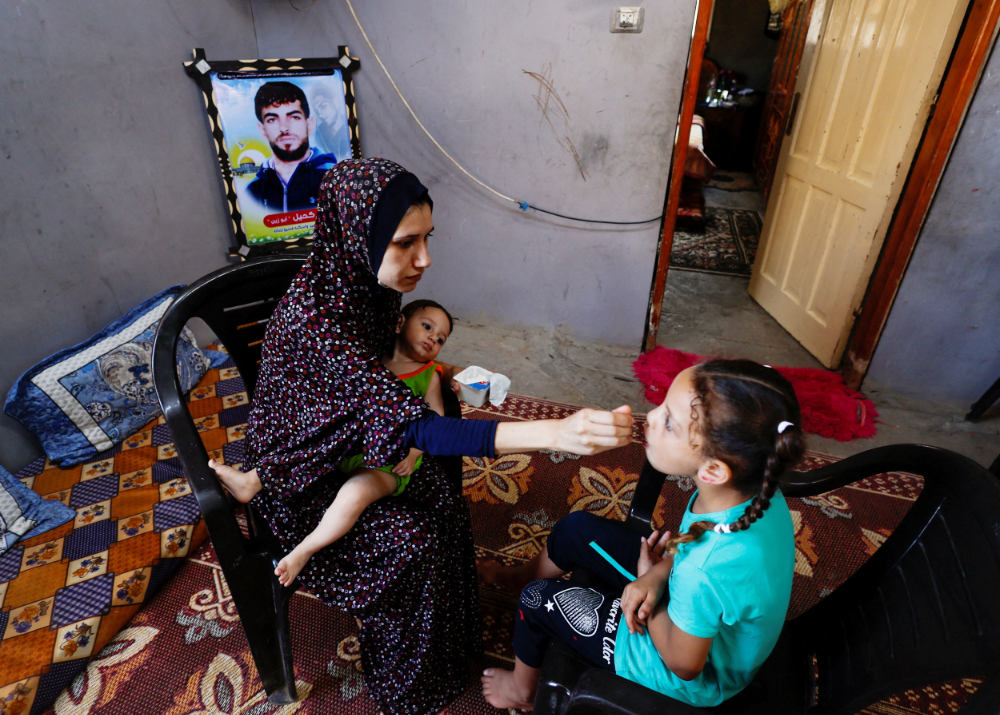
(778, 101)
(874, 67)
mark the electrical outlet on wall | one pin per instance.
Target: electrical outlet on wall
(627, 19)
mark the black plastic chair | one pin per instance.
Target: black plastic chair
(236, 303)
(921, 610)
(979, 408)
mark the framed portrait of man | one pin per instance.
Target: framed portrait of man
(278, 126)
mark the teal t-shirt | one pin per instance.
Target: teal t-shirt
(733, 588)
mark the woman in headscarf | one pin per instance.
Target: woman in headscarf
(407, 569)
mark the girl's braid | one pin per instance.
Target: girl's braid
(755, 509)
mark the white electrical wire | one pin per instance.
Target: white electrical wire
(523, 205)
(416, 118)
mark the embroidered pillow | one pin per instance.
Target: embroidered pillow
(89, 397)
(23, 513)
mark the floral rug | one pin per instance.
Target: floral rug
(727, 245)
(185, 652)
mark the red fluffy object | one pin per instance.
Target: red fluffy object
(828, 407)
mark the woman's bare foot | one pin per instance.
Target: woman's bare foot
(503, 689)
(290, 566)
(242, 485)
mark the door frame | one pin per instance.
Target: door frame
(689, 98)
(958, 86)
(961, 78)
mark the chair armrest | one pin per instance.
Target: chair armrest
(570, 685)
(915, 458)
(603, 691)
(647, 493)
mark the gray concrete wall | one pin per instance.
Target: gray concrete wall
(596, 145)
(942, 339)
(111, 190)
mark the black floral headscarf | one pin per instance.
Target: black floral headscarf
(323, 392)
(406, 570)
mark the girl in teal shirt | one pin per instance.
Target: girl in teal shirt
(692, 616)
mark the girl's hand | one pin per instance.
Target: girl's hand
(652, 550)
(640, 598)
(591, 431)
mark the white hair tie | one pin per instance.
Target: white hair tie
(783, 425)
(722, 528)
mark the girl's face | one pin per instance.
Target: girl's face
(424, 333)
(672, 444)
(406, 258)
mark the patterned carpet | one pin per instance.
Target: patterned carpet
(185, 652)
(727, 245)
(732, 180)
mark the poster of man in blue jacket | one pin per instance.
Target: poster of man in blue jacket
(280, 147)
(289, 180)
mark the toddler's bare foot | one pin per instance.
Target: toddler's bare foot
(242, 485)
(290, 566)
(501, 690)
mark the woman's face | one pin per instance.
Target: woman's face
(672, 444)
(406, 257)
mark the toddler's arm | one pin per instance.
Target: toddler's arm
(449, 370)
(448, 376)
(433, 396)
(436, 402)
(405, 467)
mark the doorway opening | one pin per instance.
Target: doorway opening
(905, 212)
(706, 308)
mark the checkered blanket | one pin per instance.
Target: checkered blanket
(65, 593)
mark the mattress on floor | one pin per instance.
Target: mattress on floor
(65, 593)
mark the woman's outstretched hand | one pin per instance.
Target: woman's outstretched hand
(591, 431)
(588, 431)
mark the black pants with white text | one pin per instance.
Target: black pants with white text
(584, 618)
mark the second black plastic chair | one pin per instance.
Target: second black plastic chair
(921, 610)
